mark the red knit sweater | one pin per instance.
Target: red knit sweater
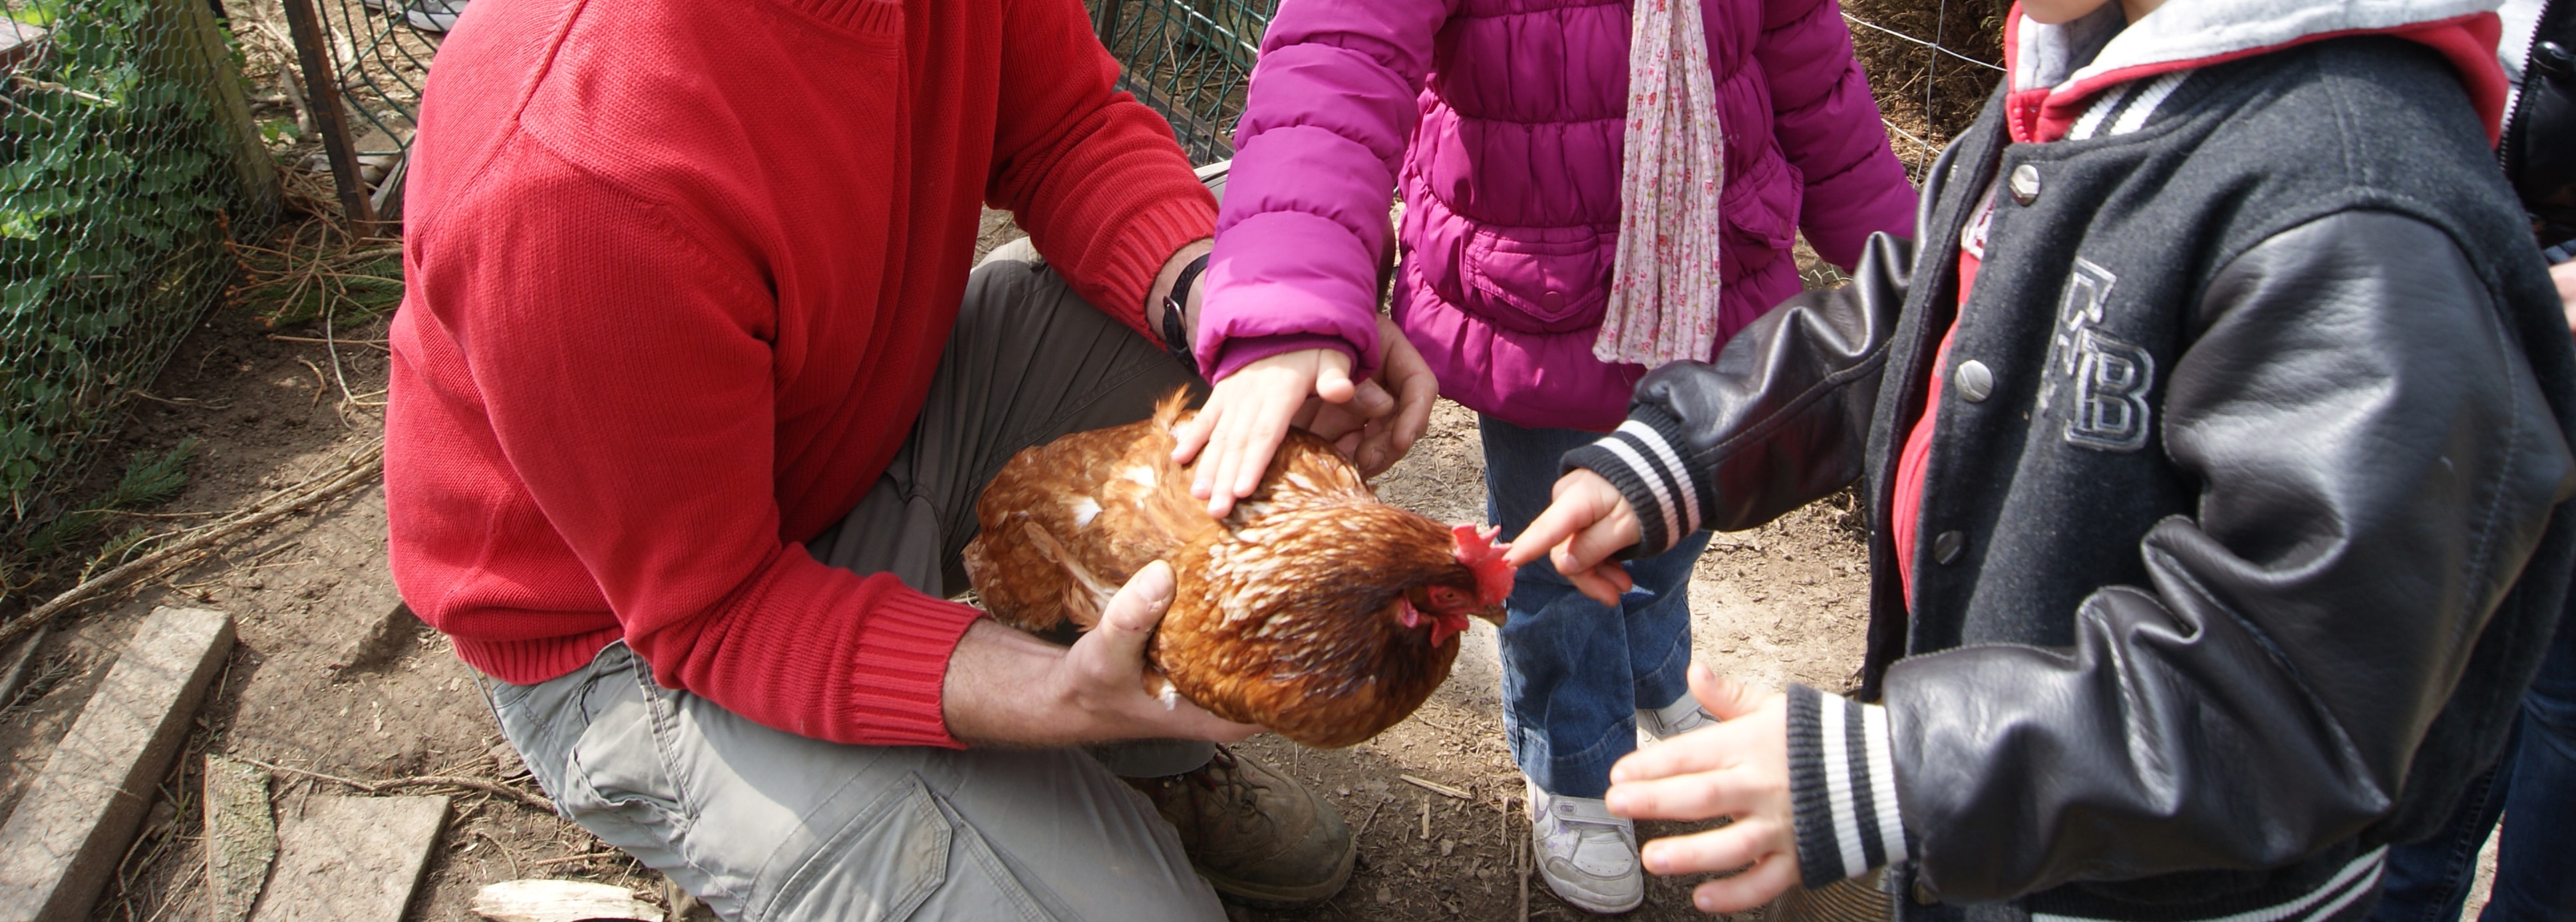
(680, 271)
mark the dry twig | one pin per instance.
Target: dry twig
(416, 781)
(360, 469)
(1436, 788)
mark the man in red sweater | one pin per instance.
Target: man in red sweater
(693, 393)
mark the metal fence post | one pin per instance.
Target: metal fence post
(322, 90)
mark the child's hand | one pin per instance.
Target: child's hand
(1739, 769)
(1586, 523)
(1249, 412)
(1374, 421)
(2564, 274)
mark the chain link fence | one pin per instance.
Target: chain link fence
(1188, 59)
(127, 162)
(1930, 64)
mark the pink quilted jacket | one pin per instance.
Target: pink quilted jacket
(1499, 122)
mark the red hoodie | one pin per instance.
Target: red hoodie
(680, 272)
(2046, 99)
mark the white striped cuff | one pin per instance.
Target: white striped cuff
(1842, 787)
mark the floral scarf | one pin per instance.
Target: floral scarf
(1663, 287)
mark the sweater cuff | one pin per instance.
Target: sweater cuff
(1144, 242)
(1245, 350)
(1644, 459)
(1842, 787)
(897, 670)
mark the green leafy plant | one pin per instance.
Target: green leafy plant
(149, 481)
(112, 225)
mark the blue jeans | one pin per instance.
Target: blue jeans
(1575, 672)
(2533, 787)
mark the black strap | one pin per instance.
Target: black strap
(1176, 337)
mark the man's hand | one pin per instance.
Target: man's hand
(1008, 688)
(1738, 769)
(1586, 523)
(1374, 421)
(1376, 442)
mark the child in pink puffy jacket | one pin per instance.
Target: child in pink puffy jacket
(1503, 125)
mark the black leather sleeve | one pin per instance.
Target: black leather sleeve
(1779, 419)
(2378, 463)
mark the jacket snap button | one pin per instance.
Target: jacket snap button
(2025, 184)
(1974, 380)
(1946, 547)
(1553, 301)
(2552, 58)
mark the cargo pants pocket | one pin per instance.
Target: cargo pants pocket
(906, 855)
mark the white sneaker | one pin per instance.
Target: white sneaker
(1584, 854)
(1671, 720)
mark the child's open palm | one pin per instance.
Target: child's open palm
(1738, 769)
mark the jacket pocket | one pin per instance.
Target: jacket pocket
(1537, 280)
(615, 782)
(1760, 212)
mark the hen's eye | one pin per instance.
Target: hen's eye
(1445, 597)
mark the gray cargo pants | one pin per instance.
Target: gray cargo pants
(766, 825)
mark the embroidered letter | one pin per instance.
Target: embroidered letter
(2110, 377)
(2081, 307)
(2111, 382)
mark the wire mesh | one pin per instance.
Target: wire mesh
(121, 181)
(1188, 59)
(1930, 65)
(380, 52)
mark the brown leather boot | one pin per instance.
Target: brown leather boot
(1255, 834)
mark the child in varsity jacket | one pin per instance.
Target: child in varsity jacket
(2213, 443)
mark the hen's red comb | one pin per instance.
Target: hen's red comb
(1482, 554)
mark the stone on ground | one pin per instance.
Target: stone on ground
(351, 858)
(63, 841)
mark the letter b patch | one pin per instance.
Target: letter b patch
(2111, 381)
(2109, 377)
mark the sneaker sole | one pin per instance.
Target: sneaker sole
(1263, 897)
(1584, 903)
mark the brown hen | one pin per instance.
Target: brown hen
(1312, 609)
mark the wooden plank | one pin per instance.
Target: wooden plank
(560, 901)
(351, 859)
(241, 837)
(63, 841)
(18, 42)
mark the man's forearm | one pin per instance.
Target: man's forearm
(985, 696)
(1170, 275)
